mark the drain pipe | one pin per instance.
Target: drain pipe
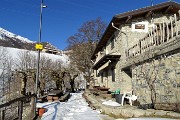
(125, 35)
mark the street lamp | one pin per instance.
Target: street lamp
(39, 47)
(151, 2)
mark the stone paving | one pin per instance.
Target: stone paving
(126, 111)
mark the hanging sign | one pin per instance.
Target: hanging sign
(140, 26)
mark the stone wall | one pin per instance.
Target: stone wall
(158, 81)
(26, 81)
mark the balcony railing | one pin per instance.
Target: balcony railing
(162, 33)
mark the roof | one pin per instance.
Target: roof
(124, 17)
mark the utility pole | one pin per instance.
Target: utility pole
(39, 47)
(151, 2)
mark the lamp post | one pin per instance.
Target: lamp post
(39, 47)
(151, 2)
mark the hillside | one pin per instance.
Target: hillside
(9, 39)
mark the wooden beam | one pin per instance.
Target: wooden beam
(148, 14)
(16, 100)
(169, 8)
(128, 18)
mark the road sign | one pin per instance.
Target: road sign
(39, 46)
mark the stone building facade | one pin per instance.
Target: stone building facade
(130, 55)
(158, 81)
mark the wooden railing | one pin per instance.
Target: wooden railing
(162, 33)
(13, 109)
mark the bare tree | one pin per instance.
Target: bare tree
(51, 72)
(150, 75)
(5, 74)
(26, 60)
(83, 43)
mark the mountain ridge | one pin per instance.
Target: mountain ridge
(9, 39)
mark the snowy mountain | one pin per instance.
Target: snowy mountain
(9, 39)
(4, 33)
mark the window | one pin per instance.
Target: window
(113, 74)
(112, 42)
(102, 77)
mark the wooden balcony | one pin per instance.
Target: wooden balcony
(164, 38)
(162, 33)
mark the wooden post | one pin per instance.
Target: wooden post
(163, 32)
(176, 26)
(171, 27)
(2, 114)
(151, 37)
(156, 35)
(20, 110)
(167, 27)
(160, 33)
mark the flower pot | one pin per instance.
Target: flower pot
(41, 111)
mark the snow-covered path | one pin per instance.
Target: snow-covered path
(75, 109)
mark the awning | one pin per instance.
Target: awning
(104, 60)
(104, 66)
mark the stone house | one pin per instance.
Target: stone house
(140, 51)
(49, 48)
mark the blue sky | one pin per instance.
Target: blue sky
(61, 18)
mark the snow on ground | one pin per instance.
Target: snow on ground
(15, 54)
(76, 108)
(111, 103)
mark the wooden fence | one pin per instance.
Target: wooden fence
(13, 110)
(161, 33)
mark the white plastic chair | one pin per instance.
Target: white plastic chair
(129, 96)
